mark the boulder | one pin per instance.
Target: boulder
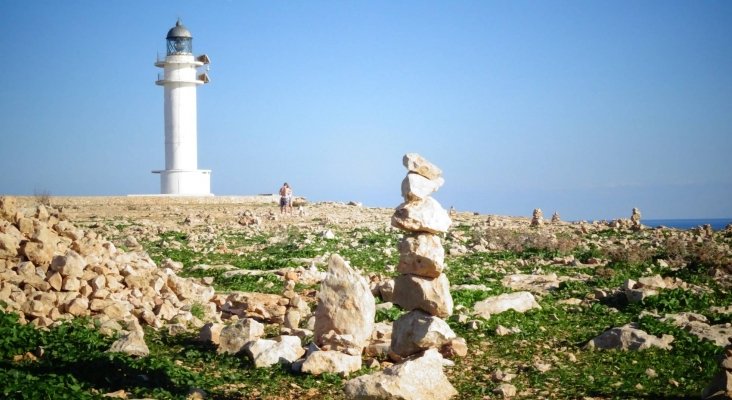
(331, 361)
(417, 331)
(261, 306)
(505, 390)
(234, 337)
(699, 326)
(55, 280)
(385, 290)
(430, 295)
(421, 216)
(629, 337)
(417, 187)
(292, 318)
(380, 340)
(211, 333)
(78, 306)
(418, 379)
(536, 283)
(518, 301)
(132, 343)
(419, 165)
(342, 343)
(186, 289)
(9, 245)
(70, 264)
(264, 352)
(38, 253)
(637, 295)
(7, 208)
(345, 304)
(421, 254)
(655, 282)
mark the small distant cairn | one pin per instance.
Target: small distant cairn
(635, 220)
(721, 386)
(537, 218)
(556, 218)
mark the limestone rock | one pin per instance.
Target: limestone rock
(430, 295)
(456, 347)
(38, 253)
(629, 337)
(70, 264)
(7, 208)
(211, 333)
(532, 282)
(261, 306)
(9, 245)
(419, 165)
(133, 343)
(421, 216)
(345, 304)
(292, 318)
(342, 343)
(418, 379)
(234, 337)
(385, 290)
(417, 187)
(506, 390)
(421, 254)
(264, 352)
(655, 282)
(78, 307)
(186, 289)
(380, 340)
(518, 301)
(331, 361)
(417, 331)
(698, 325)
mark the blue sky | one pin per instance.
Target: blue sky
(589, 108)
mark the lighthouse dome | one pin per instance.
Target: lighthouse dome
(179, 31)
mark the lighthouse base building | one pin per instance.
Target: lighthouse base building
(179, 80)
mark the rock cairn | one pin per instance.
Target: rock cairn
(537, 218)
(556, 217)
(635, 220)
(721, 386)
(422, 285)
(424, 290)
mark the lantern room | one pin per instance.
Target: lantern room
(179, 40)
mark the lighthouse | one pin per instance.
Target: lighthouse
(179, 80)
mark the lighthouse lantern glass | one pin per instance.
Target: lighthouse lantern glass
(180, 45)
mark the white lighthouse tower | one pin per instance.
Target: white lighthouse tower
(181, 175)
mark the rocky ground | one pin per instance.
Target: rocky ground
(164, 297)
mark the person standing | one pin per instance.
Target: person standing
(285, 199)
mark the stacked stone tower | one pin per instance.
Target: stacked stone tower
(421, 288)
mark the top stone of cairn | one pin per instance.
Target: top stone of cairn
(419, 165)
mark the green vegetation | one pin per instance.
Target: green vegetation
(75, 364)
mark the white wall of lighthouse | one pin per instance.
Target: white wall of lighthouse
(180, 78)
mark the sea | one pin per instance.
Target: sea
(716, 223)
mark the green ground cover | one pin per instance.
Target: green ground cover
(75, 364)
